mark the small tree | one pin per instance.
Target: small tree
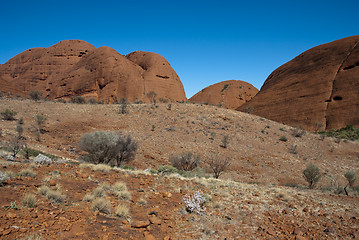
(225, 141)
(126, 149)
(187, 161)
(123, 106)
(15, 146)
(312, 175)
(218, 165)
(40, 120)
(152, 96)
(35, 95)
(351, 178)
(78, 99)
(19, 129)
(8, 115)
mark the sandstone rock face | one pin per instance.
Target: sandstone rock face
(317, 90)
(229, 94)
(74, 67)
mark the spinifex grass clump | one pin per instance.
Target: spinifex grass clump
(195, 203)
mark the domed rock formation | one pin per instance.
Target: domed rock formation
(229, 94)
(76, 68)
(317, 90)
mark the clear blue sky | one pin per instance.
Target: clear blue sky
(205, 41)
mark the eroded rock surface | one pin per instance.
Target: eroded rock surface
(228, 94)
(317, 90)
(76, 68)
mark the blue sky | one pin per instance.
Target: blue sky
(205, 41)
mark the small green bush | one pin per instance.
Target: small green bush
(8, 115)
(35, 95)
(312, 175)
(165, 169)
(349, 132)
(78, 99)
(283, 138)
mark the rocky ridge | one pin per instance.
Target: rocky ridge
(76, 68)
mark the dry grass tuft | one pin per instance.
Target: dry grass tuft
(122, 211)
(119, 187)
(55, 196)
(98, 192)
(102, 205)
(27, 173)
(123, 195)
(101, 167)
(43, 190)
(52, 195)
(29, 200)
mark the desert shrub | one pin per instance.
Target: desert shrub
(40, 121)
(19, 129)
(218, 165)
(312, 175)
(122, 211)
(195, 202)
(225, 141)
(119, 186)
(102, 205)
(55, 196)
(88, 197)
(283, 138)
(123, 195)
(349, 132)
(187, 161)
(78, 100)
(8, 115)
(296, 132)
(127, 167)
(35, 95)
(42, 190)
(27, 173)
(29, 200)
(351, 178)
(152, 96)
(99, 192)
(15, 146)
(123, 106)
(108, 147)
(165, 169)
(61, 100)
(1, 94)
(101, 167)
(29, 152)
(3, 178)
(293, 149)
(92, 101)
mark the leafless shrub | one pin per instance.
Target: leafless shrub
(218, 165)
(297, 132)
(187, 161)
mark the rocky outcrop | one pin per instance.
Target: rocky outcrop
(229, 94)
(76, 68)
(317, 90)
